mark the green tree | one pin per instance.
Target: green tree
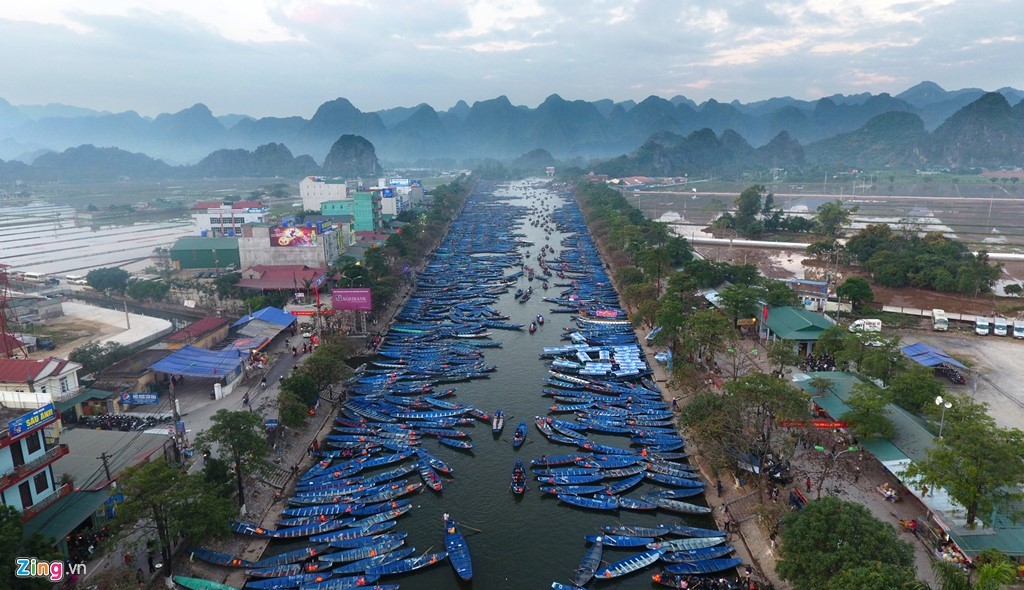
(164, 501)
(821, 385)
(873, 576)
(857, 291)
(108, 279)
(782, 354)
(829, 536)
(152, 290)
(832, 217)
(326, 366)
(740, 301)
(646, 314)
(629, 275)
(706, 333)
(914, 388)
(970, 462)
(94, 356)
(1013, 289)
(291, 410)
(778, 294)
(748, 208)
(239, 438)
(867, 417)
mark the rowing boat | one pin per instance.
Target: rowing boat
(589, 564)
(458, 551)
(630, 564)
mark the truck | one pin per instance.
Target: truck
(1018, 329)
(939, 321)
(982, 326)
(999, 327)
(866, 326)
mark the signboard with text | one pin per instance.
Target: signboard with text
(28, 421)
(351, 299)
(293, 237)
(140, 398)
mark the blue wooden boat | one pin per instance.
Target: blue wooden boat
(519, 437)
(458, 551)
(590, 445)
(518, 485)
(345, 534)
(623, 485)
(556, 460)
(691, 555)
(676, 494)
(562, 471)
(634, 504)
(366, 540)
(364, 564)
(637, 531)
(407, 565)
(620, 540)
(577, 490)
(284, 582)
(610, 461)
(561, 480)
(688, 531)
(455, 443)
(381, 507)
(291, 556)
(357, 553)
(675, 482)
(380, 517)
(248, 529)
(275, 571)
(630, 564)
(428, 475)
(438, 465)
(561, 586)
(218, 558)
(590, 562)
(595, 503)
(622, 472)
(684, 544)
(705, 566)
(306, 530)
(362, 581)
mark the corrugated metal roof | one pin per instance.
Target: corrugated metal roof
(791, 323)
(201, 243)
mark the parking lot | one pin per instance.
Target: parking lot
(996, 369)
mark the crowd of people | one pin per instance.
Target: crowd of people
(824, 362)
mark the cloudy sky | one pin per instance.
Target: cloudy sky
(286, 57)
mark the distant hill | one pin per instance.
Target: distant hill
(573, 130)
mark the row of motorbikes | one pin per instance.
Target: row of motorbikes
(951, 374)
(825, 362)
(122, 422)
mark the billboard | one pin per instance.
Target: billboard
(398, 182)
(293, 237)
(26, 422)
(351, 299)
(139, 398)
(387, 192)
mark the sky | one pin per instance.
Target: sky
(286, 57)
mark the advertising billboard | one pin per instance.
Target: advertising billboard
(387, 192)
(351, 299)
(32, 419)
(398, 181)
(139, 398)
(293, 237)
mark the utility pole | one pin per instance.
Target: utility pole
(103, 457)
(127, 319)
(175, 418)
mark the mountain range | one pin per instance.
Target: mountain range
(923, 126)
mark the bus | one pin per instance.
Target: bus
(35, 277)
(76, 280)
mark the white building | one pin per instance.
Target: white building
(30, 384)
(316, 190)
(214, 219)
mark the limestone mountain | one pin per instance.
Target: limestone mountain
(352, 156)
(895, 139)
(272, 159)
(985, 133)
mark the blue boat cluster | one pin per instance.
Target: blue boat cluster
(602, 377)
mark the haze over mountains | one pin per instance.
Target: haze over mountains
(922, 126)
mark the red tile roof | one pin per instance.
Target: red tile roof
(9, 344)
(204, 205)
(247, 204)
(23, 370)
(283, 277)
(197, 329)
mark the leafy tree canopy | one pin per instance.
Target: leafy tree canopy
(108, 279)
(857, 290)
(239, 437)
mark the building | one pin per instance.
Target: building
(317, 190)
(28, 449)
(31, 384)
(364, 207)
(193, 252)
(214, 219)
(311, 245)
(291, 278)
(202, 334)
(340, 223)
(799, 326)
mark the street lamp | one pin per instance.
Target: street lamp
(946, 404)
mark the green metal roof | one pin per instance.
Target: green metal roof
(59, 519)
(201, 243)
(86, 394)
(798, 325)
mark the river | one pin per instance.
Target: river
(525, 542)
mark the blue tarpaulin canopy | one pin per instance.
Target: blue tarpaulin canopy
(199, 362)
(929, 356)
(271, 315)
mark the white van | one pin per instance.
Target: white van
(34, 277)
(981, 326)
(999, 327)
(1018, 329)
(940, 322)
(76, 280)
(866, 326)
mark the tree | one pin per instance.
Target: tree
(782, 353)
(108, 279)
(873, 576)
(1013, 289)
(867, 417)
(161, 498)
(326, 366)
(832, 217)
(830, 536)
(970, 462)
(748, 207)
(740, 301)
(915, 388)
(857, 290)
(240, 438)
(706, 333)
(96, 357)
(821, 385)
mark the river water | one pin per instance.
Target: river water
(531, 541)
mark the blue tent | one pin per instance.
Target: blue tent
(199, 362)
(929, 356)
(271, 315)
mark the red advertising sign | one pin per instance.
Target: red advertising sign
(351, 299)
(293, 237)
(828, 424)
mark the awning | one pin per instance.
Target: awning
(87, 394)
(59, 519)
(929, 356)
(199, 362)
